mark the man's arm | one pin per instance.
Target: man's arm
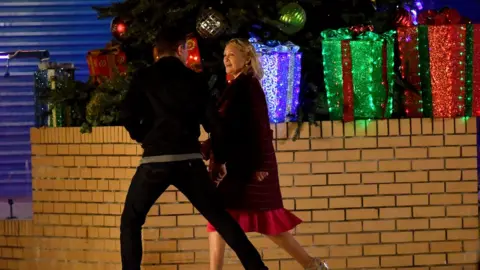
(132, 110)
(212, 123)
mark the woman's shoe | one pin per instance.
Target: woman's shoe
(317, 264)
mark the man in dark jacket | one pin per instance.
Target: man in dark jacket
(163, 110)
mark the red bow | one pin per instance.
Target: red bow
(442, 17)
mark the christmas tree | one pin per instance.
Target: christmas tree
(215, 22)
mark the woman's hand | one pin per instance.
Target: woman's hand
(218, 172)
(260, 176)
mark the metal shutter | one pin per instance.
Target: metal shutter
(67, 29)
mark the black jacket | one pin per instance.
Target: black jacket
(164, 108)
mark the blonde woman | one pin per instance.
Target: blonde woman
(251, 189)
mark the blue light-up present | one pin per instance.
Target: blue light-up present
(281, 82)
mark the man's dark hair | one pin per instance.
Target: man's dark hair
(168, 40)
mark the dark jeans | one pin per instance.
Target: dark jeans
(192, 179)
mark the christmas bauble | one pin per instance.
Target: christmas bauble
(293, 17)
(211, 23)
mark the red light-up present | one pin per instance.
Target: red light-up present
(440, 59)
(105, 62)
(194, 60)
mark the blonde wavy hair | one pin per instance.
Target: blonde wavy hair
(252, 65)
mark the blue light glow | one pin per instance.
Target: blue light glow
(281, 82)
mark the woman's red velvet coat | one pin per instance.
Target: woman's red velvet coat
(244, 112)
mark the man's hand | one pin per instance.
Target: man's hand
(219, 171)
(260, 176)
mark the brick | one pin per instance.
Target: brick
(469, 151)
(328, 191)
(461, 139)
(363, 238)
(284, 157)
(395, 212)
(330, 239)
(329, 215)
(363, 262)
(410, 153)
(445, 199)
(428, 188)
(460, 187)
(394, 165)
(382, 127)
(289, 145)
(470, 222)
(428, 164)
(378, 225)
(461, 163)
(434, 140)
(361, 166)
(426, 236)
(440, 247)
(327, 129)
(377, 154)
(345, 226)
(337, 127)
(405, 200)
(437, 126)
(466, 234)
(429, 259)
(361, 214)
(307, 204)
(469, 175)
(333, 143)
(412, 224)
(310, 156)
(378, 177)
(372, 128)
(342, 179)
(462, 258)
(312, 228)
(356, 143)
(429, 211)
(176, 233)
(445, 175)
(294, 168)
(310, 180)
(356, 190)
(352, 202)
(378, 201)
(387, 189)
(450, 151)
(344, 155)
(411, 176)
(396, 237)
(445, 223)
(387, 249)
(328, 167)
(384, 142)
(296, 192)
(412, 248)
(345, 251)
(463, 210)
(470, 198)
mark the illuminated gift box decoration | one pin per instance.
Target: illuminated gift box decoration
(358, 73)
(281, 81)
(440, 59)
(52, 77)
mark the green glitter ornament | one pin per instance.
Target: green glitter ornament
(293, 18)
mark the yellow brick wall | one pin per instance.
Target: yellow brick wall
(396, 194)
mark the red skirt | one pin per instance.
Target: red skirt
(270, 222)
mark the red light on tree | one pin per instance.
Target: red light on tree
(118, 28)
